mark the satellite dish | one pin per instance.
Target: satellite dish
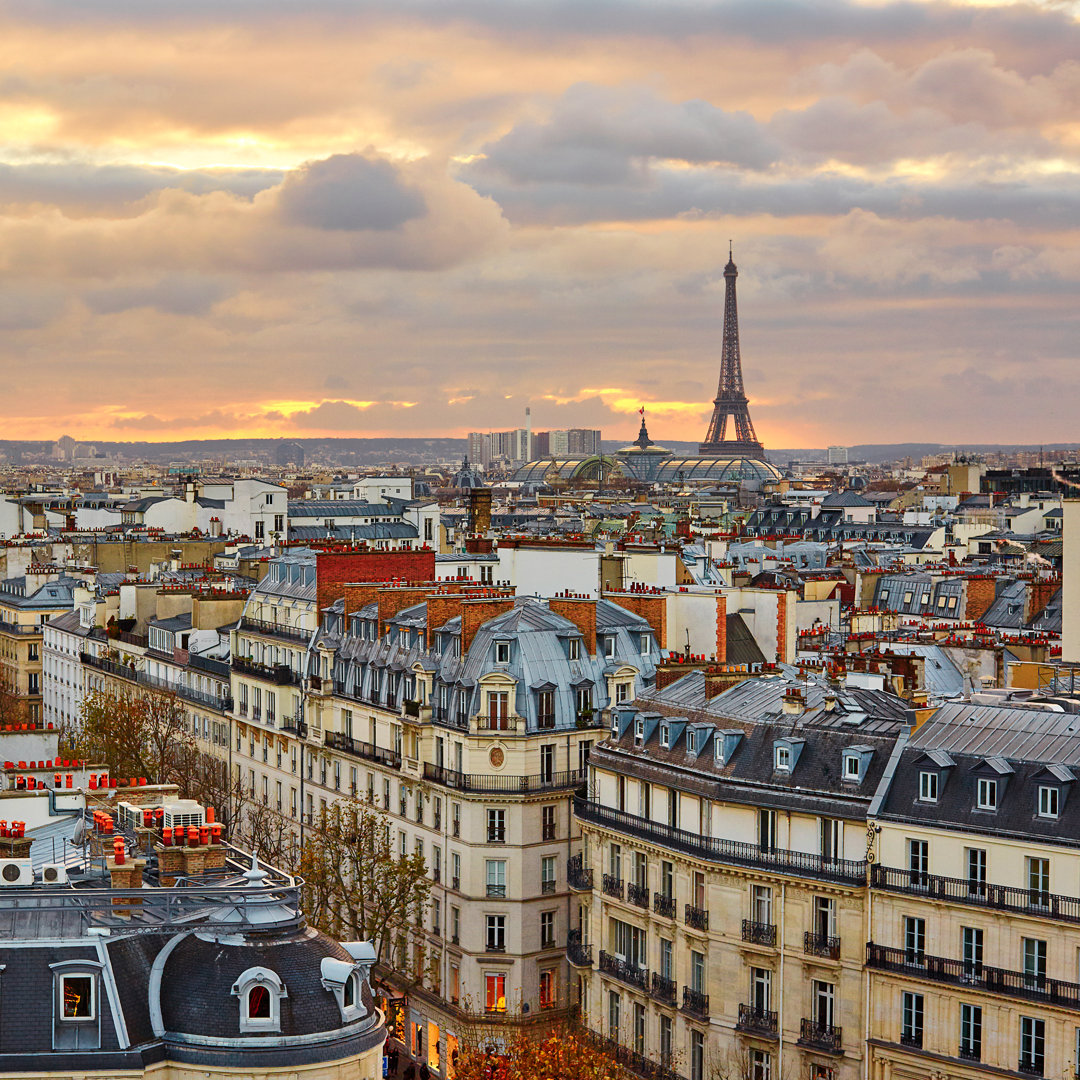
(78, 838)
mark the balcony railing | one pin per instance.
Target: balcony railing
(911, 1038)
(272, 629)
(1029, 1067)
(638, 895)
(208, 663)
(664, 905)
(696, 918)
(825, 1037)
(759, 933)
(977, 893)
(714, 849)
(631, 1060)
(278, 674)
(111, 667)
(821, 945)
(494, 784)
(756, 1021)
(335, 740)
(695, 1002)
(578, 953)
(578, 876)
(627, 973)
(663, 988)
(547, 888)
(498, 891)
(1016, 984)
(969, 1052)
(612, 886)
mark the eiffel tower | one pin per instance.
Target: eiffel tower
(730, 400)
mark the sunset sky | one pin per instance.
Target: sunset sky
(335, 217)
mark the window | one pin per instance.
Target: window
(761, 904)
(496, 933)
(645, 644)
(760, 1065)
(823, 998)
(829, 834)
(919, 861)
(667, 879)
(583, 697)
(260, 992)
(609, 647)
(496, 826)
(782, 758)
(911, 1012)
(496, 877)
(970, 1032)
(1048, 802)
(666, 958)
(547, 815)
(1032, 1045)
(1034, 951)
(987, 794)
(761, 989)
(852, 767)
(495, 992)
(824, 917)
(665, 1040)
(767, 830)
(928, 782)
(547, 929)
(697, 971)
(574, 649)
(77, 997)
(1038, 875)
(548, 985)
(665, 736)
(547, 875)
(914, 940)
(971, 947)
(691, 741)
(502, 652)
(697, 1055)
(976, 870)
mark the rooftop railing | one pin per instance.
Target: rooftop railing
(272, 629)
(278, 674)
(335, 740)
(494, 784)
(715, 849)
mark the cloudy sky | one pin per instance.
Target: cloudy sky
(341, 217)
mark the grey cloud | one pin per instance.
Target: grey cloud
(598, 135)
(174, 294)
(349, 192)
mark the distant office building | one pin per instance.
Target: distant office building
(572, 442)
(837, 455)
(486, 447)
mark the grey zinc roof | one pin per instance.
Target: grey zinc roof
(325, 508)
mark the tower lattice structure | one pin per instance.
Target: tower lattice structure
(730, 401)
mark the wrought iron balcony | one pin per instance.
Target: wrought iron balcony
(496, 891)
(977, 893)
(1029, 1067)
(335, 740)
(578, 953)
(663, 989)
(612, 886)
(911, 1038)
(695, 1002)
(714, 849)
(271, 629)
(638, 895)
(759, 933)
(277, 674)
(825, 1037)
(578, 876)
(821, 945)
(757, 1021)
(1015, 984)
(664, 905)
(547, 888)
(494, 784)
(969, 1052)
(631, 1060)
(626, 972)
(696, 918)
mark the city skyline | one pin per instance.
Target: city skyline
(351, 221)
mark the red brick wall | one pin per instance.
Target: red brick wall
(652, 607)
(441, 608)
(358, 595)
(581, 611)
(393, 599)
(1039, 593)
(721, 629)
(781, 627)
(979, 595)
(334, 569)
(474, 613)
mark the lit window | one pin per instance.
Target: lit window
(928, 785)
(1048, 802)
(987, 794)
(77, 996)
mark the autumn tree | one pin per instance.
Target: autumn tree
(14, 708)
(355, 885)
(566, 1052)
(136, 732)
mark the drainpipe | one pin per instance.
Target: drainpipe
(866, 981)
(780, 1002)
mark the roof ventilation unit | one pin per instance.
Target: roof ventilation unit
(16, 872)
(54, 874)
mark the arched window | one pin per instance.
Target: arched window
(342, 979)
(260, 991)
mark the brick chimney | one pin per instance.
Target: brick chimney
(581, 611)
(979, 595)
(441, 608)
(1039, 592)
(395, 598)
(474, 613)
(650, 605)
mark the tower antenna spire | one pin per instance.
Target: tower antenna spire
(730, 400)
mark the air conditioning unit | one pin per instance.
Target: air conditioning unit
(130, 815)
(54, 874)
(16, 872)
(182, 813)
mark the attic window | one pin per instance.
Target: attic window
(77, 997)
(1049, 802)
(260, 991)
(928, 786)
(852, 767)
(665, 736)
(691, 742)
(646, 645)
(782, 758)
(987, 794)
(639, 731)
(609, 647)
(502, 652)
(574, 649)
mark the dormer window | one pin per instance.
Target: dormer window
(646, 645)
(639, 730)
(691, 742)
(986, 796)
(342, 979)
(403, 638)
(928, 786)
(1049, 801)
(574, 649)
(782, 758)
(260, 991)
(502, 652)
(609, 647)
(665, 736)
